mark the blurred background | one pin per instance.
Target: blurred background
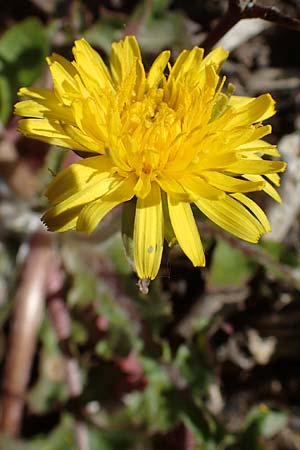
(210, 358)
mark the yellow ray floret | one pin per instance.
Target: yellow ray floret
(163, 139)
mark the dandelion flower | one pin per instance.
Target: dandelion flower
(163, 140)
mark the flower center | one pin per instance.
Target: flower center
(147, 168)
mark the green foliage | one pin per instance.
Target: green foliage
(262, 422)
(229, 266)
(144, 380)
(60, 438)
(163, 32)
(49, 388)
(23, 48)
(104, 32)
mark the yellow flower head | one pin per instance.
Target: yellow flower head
(165, 139)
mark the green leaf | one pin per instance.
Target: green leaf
(103, 33)
(23, 48)
(229, 266)
(50, 386)
(163, 32)
(151, 406)
(159, 7)
(264, 422)
(111, 440)
(61, 438)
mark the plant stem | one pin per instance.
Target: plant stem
(232, 16)
(247, 9)
(28, 313)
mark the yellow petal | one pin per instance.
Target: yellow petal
(81, 138)
(143, 186)
(187, 60)
(244, 102)
(256, 110)
(148, 234)
(259, 167)
(274, 178)
(186, 231)
(259, 147)
(123, 189)
(123, 56)
(268, 188)
(77, 177)
(37, 93)
(157, 69)
(41, 109)
(256, 210)
(64, 80)
(172, 186)
(198, 187)
(65, 221)
(44, 104)
(61, 217)
(207, 81)
(215, 57)
(229, 214)
(222, 161)
(92, 214)
(48, 131)
(30, 108)
(261, 131)
(64, 63)
(91, 66)
(90, 117)
(239, 101)
(231, 184)
(251, 133)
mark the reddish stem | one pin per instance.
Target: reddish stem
(247, 9)
(28, 313)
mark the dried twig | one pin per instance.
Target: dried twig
(247, 9)
(28, 312)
